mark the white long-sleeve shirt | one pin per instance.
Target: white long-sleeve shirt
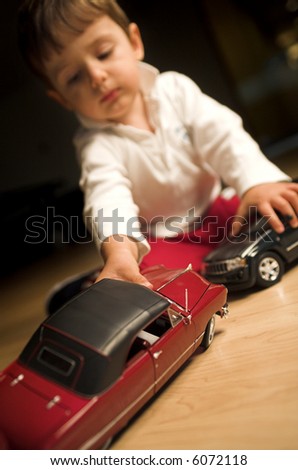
(136, 181)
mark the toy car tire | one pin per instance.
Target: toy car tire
(209, 333)
(269, 270)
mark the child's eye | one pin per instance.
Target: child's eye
(74, 78)
(104, 55)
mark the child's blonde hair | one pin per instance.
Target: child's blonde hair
(40, 23)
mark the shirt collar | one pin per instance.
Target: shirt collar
(148, 75)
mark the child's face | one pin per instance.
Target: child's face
(97, 73)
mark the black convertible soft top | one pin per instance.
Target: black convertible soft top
(109, 313)
(99, 324)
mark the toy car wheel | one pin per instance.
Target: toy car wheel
(209, 333)
(270, 269)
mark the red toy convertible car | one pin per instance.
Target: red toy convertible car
(94, 363)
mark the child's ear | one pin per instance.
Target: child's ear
(54, 95)
(136, 41)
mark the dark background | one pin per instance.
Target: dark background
(243, 53)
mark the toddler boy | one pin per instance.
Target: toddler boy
(153, 148)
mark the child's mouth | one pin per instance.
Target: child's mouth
(110, 96)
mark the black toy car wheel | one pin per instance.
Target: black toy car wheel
(269, 269)
(209, 333)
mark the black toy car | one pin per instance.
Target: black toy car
(258, 256)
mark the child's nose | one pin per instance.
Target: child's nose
(97, 74)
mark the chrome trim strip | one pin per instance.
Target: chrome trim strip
(291, 247)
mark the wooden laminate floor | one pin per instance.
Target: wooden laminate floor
(242, 393)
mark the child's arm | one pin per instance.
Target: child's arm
(267, 198)
(120, 254)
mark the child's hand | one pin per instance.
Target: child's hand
(124, 272)
(268, 198)
(120, 255)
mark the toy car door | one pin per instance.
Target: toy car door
(174, 347)
(289, 242)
